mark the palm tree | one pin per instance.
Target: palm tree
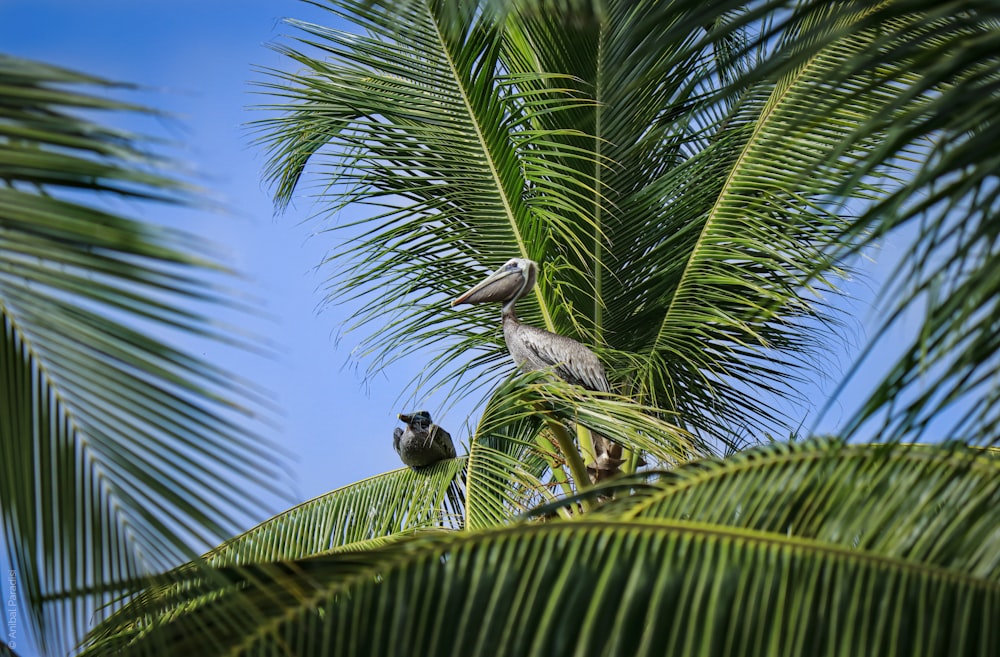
(121, 455)
(690, 176)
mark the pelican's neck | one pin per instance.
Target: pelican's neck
(507, 312)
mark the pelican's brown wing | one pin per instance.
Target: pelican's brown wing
(569, 359)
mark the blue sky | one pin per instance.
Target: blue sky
(197, 61)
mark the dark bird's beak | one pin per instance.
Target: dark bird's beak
(405, 417)
(501, 285)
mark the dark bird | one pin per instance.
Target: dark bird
(533, 348)
(422, 442)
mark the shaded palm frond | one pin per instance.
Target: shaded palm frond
(118, 451)
(923, 96)
(942, 63)
(654, 581)
(915, 502)
(727, 262)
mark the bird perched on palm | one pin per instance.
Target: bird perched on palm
(533, 348)
(422, 442)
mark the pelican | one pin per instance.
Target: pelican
(423, 442)
(533, 348)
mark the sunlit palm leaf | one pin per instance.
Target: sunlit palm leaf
(516, 463)
(665, 579)
(118, 451)
(507, 467)
(397, 502)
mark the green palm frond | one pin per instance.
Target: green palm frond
(941, 64)
(517, 463)
(922, 98)
(353, 519)
(380, 507)
(507, 464)
(118, 451)
(860, 496)
(721, 255)
(709, 561)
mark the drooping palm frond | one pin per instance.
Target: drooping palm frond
(782, 551)
(940, 64)
(118, 451)
(380, 507)
(418, 119)
(355, 518)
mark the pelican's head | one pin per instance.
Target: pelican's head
(507, 284)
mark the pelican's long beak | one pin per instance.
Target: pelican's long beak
(501, 285)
